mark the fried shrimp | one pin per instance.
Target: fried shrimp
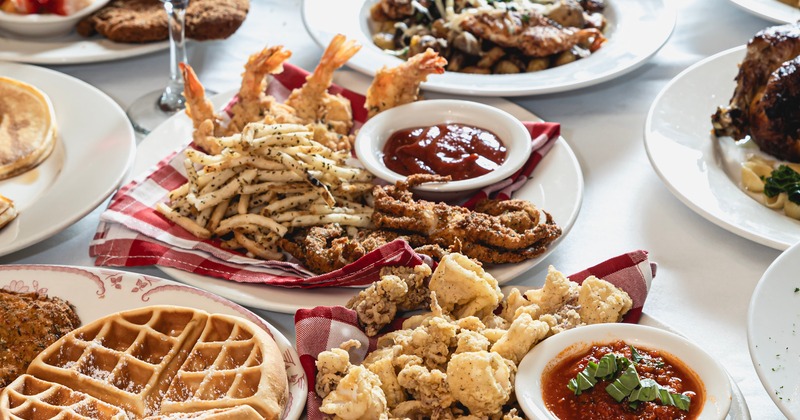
(399, 85)
(313, 103)
(200, 109)
(254, 105)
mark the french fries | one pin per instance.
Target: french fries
(266, 181)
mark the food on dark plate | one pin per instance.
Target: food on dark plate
(459, 151)
(139, 21)
(459, 360)
(27, 127)
(620, 381)
(29, 322)
(766, 102)
(495, 37)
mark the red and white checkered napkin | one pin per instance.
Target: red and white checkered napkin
(132, 233)
(326, 327)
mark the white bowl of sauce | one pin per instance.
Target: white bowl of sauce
(52, 19)
(693, 384)
(476, 144)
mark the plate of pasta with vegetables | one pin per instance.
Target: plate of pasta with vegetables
(500, 48)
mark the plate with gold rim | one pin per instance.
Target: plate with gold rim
(97, 292)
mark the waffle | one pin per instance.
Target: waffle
(28, 397)
(167, 360)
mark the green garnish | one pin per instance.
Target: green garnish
(626, 383)
(783, 179)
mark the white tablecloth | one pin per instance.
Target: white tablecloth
(706, 274)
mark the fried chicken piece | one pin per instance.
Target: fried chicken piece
(764, 103)
(481, 380)
(377, 305)
(463, 288)
(471, 341)
(29, 322)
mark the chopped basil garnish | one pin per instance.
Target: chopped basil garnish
(626, 383)
(783, 179)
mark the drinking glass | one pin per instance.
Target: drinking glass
(150, 110)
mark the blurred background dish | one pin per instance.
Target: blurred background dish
(371, 140)
(554, 349)
(36, 25)
(71, 49)
(777, 11)
(636, 30)
(773, 324)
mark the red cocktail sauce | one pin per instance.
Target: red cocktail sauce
(597, 404)
(458, 150)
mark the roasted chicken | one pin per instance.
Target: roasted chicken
(765, 102)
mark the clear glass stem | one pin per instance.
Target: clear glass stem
(172, 99)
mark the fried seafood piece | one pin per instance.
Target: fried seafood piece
(358, 396)
(463, 288)
(764, 104)
(329, 247)
(326, 248)
(395, 86)
(253, 105)
(481, 380)
(530, 32)
(399, 289)
(313, 103)
(29, 322)
(496, 232)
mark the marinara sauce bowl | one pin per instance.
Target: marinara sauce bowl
(373, 135)
(546, 355)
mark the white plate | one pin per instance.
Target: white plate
(94, 150)
(773, 331)
(71, 49)
(701, 171)
(773, 10)
(636, 30)
(97, 292)
(557, 187)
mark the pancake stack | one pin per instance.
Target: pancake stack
(27, 127)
